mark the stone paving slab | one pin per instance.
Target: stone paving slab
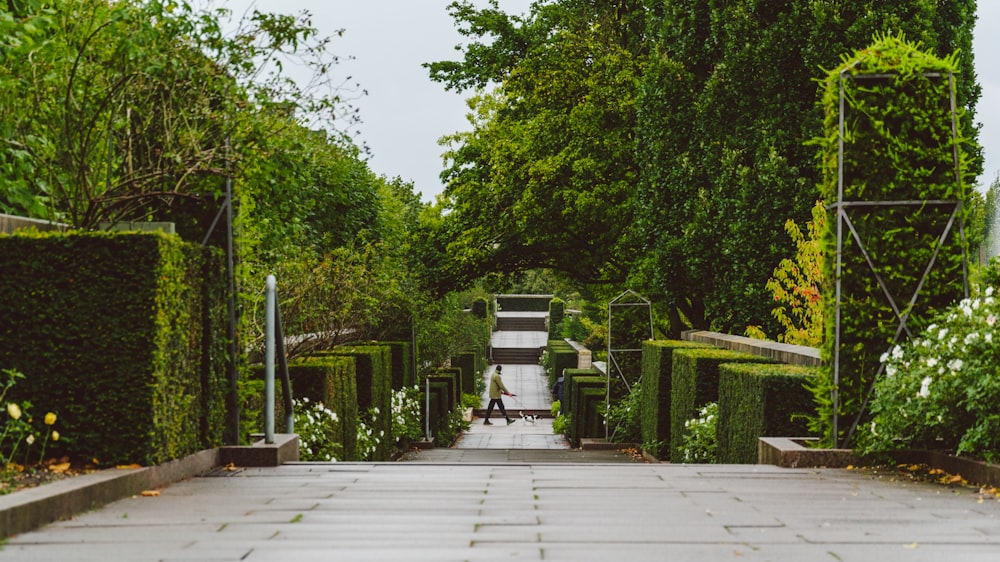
(538, 511)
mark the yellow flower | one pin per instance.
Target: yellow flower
(55, 435)
(14, 410)
(50, 418)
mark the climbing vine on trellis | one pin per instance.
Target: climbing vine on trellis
(893, 164)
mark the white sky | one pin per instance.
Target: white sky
(404, 113)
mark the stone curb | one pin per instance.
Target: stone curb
(29, 509)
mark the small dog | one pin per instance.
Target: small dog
(529, 418)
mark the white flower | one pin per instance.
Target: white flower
(931, 361)
(990, 320)
(942, 333)
(989, 291)
(897, 352)
(925, 386)
(971, 337)
(890, 370)
(955, 364)
(884, 357)
(988, 337)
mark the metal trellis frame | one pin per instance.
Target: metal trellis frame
(634, 299)
(843, 220)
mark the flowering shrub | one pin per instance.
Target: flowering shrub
(368, 440)
(941, 389)
(318, 429)
(700, 442)
(18, 430)
(406, 414)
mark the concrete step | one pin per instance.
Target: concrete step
(521, 324)
(515, 355)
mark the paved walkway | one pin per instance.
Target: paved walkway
(539, 511)
(518, 493)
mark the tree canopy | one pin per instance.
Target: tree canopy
(658, 145)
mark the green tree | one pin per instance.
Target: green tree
(725, 112)
(543, 179)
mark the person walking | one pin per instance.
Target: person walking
(497, 389)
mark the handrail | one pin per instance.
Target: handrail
(274, 344)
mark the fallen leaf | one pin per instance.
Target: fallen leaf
(955, 479)
(128, 466)
(150, 493)
(911, 545)
(61, 467)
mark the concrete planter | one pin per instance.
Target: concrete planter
(795, 453)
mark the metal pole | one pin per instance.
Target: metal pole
(282, 365)
(427, 408)
(269, 360)
(835, 394)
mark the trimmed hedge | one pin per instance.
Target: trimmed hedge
(561, 355)
(452, 380)
(557, 312)
(374, 388)
(576, 382)
(402, 363)
(332, 381)
(760, 400)
(695, 382)
(590, 419)
(438, 390)
(480, 308)
(657, 374)
(121, 334)
(467, 363)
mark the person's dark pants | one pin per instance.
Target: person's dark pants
(499, 403)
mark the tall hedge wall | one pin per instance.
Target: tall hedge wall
(695, 383)
(758, 400)
(332, 381)
(468, 364)
(657, 376)
(402, 363)
(120, 334)
(372, 367)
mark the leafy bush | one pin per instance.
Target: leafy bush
(560, 424)
(700, 443)
(940, 390)
(623, 417)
